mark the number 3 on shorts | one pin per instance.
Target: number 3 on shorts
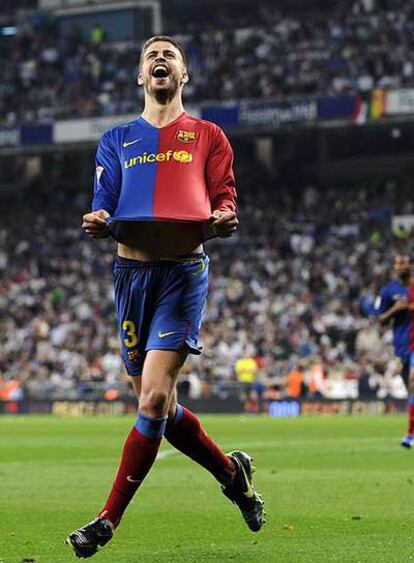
(131, 334)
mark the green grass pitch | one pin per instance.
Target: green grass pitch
(337, 489)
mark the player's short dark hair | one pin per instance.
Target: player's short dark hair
(168, 39)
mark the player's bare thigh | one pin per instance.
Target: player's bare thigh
(159, 377)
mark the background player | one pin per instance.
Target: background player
(393, 305)
(164, 183)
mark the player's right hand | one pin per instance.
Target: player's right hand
(94, 224)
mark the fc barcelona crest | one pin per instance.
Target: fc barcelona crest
(186, 136)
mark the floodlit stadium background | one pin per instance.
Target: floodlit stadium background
(318, 102)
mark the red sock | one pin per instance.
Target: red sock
(138, 455)
(185, 433)
(410, 418)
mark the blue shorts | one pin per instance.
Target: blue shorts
(407, 363)
(159, 305)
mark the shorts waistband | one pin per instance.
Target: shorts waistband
(131, 263)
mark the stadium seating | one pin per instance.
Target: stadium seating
(289, 290)
(46, 75)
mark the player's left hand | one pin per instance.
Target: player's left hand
(223, 223)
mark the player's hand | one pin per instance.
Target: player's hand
(223, 223)
(401, 305)
(94, 224)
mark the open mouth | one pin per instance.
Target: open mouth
(160, 71)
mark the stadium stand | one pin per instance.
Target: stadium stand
(290, 291)
(257, 54)
(290, 294)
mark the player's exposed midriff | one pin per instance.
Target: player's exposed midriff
(152, 240)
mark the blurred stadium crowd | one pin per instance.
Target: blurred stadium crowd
(287, 309)
(257, 53)
(290, 297)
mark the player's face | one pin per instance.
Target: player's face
(162, 70)
(402, 266)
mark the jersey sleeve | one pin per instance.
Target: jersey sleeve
(383, 302)
(108, 176)
(219, 174)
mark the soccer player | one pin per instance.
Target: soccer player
(164, 183)
(394, 305)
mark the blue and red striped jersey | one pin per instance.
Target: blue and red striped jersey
(402, 322)
(180, 172)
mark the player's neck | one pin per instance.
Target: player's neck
(160, 115)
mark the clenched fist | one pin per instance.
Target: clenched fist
(223, 223)
(94, 224)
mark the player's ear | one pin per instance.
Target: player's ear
(140, 80)
(184, 78)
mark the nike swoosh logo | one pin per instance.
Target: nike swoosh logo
(201, 268)
(127, 143)
(164, 334)
(250, 491)
(131, 480)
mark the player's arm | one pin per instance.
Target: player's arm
(221, 186)
(385, 309)
(106, 189)
(400, 305)
(411, 293)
